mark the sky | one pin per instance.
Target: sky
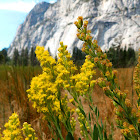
(12, 14)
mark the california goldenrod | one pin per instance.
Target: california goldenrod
(59, 110)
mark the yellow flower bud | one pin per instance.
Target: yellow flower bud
(61, 43)
(128, 102)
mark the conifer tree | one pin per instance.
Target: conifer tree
(26, 57)
(22, 57)
(4, 53)
(16, 57)
(1, 58)
(33, 60)
(131, 57)
(78, 56)
(121, 57)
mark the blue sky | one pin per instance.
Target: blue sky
(12, 14)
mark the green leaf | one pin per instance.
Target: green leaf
(95, 133)
(79, 139)
(119, 88)
(69, 114)
(90, 107)
(69, 136)
(102, 123)
(100, 129)
(89, 116)
(85, 128)
(92, 116)
(98, 114)
(96, 111)
(110, 137)
(82, 111)
(105, 136)
(58, 122)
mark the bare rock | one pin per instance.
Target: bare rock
(113, 23)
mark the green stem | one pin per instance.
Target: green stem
(56, 124)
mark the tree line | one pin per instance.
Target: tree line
(122, 57)
(19, 59)
(118, 56)
(4, 59)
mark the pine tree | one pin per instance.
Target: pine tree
(16, 57)
(131, 57)
(124, 57)
(78, 56)
(33, 59)
(1, 58)
(26, 57)
(22, 57)
(121, 57)
(4, 53)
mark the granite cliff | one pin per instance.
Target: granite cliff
(112, 22)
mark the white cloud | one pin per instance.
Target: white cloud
(20, 6)
(52, 1)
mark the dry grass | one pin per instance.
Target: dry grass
(105, 105)
(13, 97)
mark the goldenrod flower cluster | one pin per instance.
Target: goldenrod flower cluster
(73, 123)
(84, 80)
(65, 67)
(129, 131)
(46, 61)
(14, 132)
(95, 53)
(45, 89)
(12, 129)
(29, 132)
(64, 104)
(124, 109)
(84, 124)
(43, 93)
(101, 82)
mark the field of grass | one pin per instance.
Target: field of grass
(105, 105)
(14, 81)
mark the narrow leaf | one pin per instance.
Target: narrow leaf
(82, 111)
(102, 123)
(105, 135)
(90, 107)
(95, 133)
(89, 116)
(100, 129)
(69, 136)
(98, 114)
(96, 111)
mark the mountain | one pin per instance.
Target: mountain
(112, 23)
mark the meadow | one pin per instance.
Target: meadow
(15, 81)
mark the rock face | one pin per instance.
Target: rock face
(112, 22)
